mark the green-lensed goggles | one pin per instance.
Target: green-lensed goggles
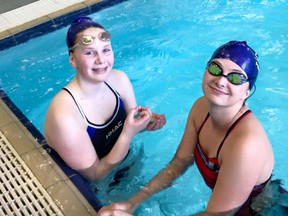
(235, 78)
(88, 39)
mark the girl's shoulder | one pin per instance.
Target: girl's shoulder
(200, 107)
(117, 76)
(120, 82)
(198, 112)
(62, 104)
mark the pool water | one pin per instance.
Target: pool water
(163, 46)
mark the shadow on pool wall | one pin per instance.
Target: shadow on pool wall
(39, 30)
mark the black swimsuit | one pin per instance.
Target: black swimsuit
(104, 136)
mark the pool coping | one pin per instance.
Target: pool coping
(15, 122)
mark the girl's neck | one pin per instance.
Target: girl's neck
(225, 117)
(85, 90)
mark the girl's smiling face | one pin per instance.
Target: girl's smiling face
(219, 89)
(92, 54)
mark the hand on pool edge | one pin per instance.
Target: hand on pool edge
(115, 209)
(114, 212)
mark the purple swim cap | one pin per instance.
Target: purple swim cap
(241, 54)
(79, 24)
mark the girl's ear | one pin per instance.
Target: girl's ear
(246, 94)
(71, 60)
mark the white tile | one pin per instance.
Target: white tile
(67, 3)
(4, 24)
(30, 12)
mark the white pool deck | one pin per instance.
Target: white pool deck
(17, 142)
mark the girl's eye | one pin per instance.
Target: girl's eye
(89, 53)
(106, 50)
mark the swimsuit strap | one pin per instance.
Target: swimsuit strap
(117, 96)
(207, 116)
(231, 128)
(112, 89)
(77, 104)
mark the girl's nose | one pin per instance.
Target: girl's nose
(221, 80)
(99, 59)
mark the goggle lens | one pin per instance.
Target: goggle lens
(104, 36)
(235, 78)
(214, 69)
(88, 39)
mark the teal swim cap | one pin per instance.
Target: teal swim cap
(241, 54)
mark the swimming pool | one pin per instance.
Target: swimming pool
(164, 47)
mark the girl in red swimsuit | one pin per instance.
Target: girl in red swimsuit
(227, 141)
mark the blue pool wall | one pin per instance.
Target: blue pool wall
(39, 30)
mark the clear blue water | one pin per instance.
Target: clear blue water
(163, 46)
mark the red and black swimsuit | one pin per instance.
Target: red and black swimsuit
(209, 167)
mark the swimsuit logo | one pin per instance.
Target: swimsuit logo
(114, 129)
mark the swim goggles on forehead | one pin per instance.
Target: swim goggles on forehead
(88, 39)
(235, 78)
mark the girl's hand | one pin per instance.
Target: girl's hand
(137, 120)
(114, 212)
(115, 209)
(156, 122)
